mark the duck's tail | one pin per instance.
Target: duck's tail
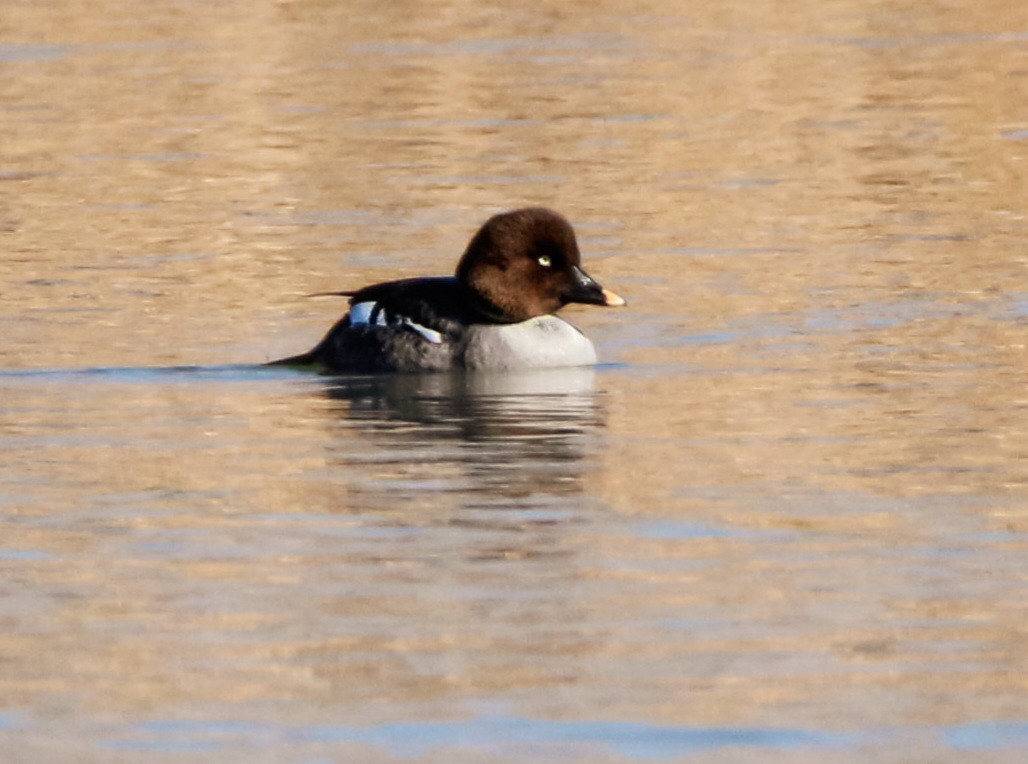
(311, 357)
(304, 359)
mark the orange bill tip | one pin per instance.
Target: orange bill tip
(613, 300)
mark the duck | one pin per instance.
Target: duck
(496, 313)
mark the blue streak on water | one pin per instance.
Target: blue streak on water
(21, 554)
(152, 374)
(30, 52)
(672, 529)
(220, 373)
(186, 736)
(641, 741)
(186, 726)
(492, 732)
(166, 746)
(989, 735)
(412, 739)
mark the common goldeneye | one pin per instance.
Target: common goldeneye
(495, 313)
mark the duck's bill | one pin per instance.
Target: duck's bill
(586, 290)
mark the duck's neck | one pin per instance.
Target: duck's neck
(487, 312)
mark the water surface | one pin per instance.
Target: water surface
(784, 520)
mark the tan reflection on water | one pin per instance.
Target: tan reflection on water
(801, 502)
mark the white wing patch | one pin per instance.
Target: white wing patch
(362, 313)
(429, 334)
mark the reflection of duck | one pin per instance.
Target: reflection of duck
(519, 268)
(511, 434)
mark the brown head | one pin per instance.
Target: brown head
(526, 263)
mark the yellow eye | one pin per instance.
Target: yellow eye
(544, 261)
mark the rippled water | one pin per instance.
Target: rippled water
(786, 519)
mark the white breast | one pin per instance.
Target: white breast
(539, 343)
